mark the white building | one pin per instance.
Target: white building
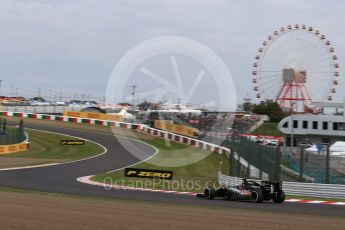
(314, 128)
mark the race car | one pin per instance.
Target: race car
(248, 190)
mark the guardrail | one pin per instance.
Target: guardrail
(44, 109)
(140, 127)
(296, 188)
(184, 140)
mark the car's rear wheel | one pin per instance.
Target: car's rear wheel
(279, 198)
(256, 196)
(210, 193)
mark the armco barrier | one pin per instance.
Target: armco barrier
(183, 139)
(295, 188)
(141, 128)
(69, 119)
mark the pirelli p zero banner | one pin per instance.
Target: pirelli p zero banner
(148, 173)
(72, 142)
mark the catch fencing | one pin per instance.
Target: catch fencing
(11, 135)
(265, 158)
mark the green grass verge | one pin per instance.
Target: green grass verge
(268, 128)
(45, 145)
(187, 177)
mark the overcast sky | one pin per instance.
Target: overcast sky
(72, 46)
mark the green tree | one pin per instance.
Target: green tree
(270, 108)
(247, 106)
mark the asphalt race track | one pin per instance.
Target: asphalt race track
(62, 179)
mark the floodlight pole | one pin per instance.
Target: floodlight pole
(133, 93)
(292, 142)
(232, 155)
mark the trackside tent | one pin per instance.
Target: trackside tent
(337, 149)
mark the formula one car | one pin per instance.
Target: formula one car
(249, 190)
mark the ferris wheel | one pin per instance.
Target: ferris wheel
(295, 66)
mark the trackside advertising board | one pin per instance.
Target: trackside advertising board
(4, 149)
(178, 129)
(101, 116)
(148, 173)
(72, 142)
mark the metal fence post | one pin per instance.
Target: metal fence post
(260, 164)
(301, 164)
(276, 170)
(232, 159)
(327, 163)
(248, 170)
(238, 166)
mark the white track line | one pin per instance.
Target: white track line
(30, 167)
(315, 202)
(339, 203)
(86, 180)
(293, 200)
